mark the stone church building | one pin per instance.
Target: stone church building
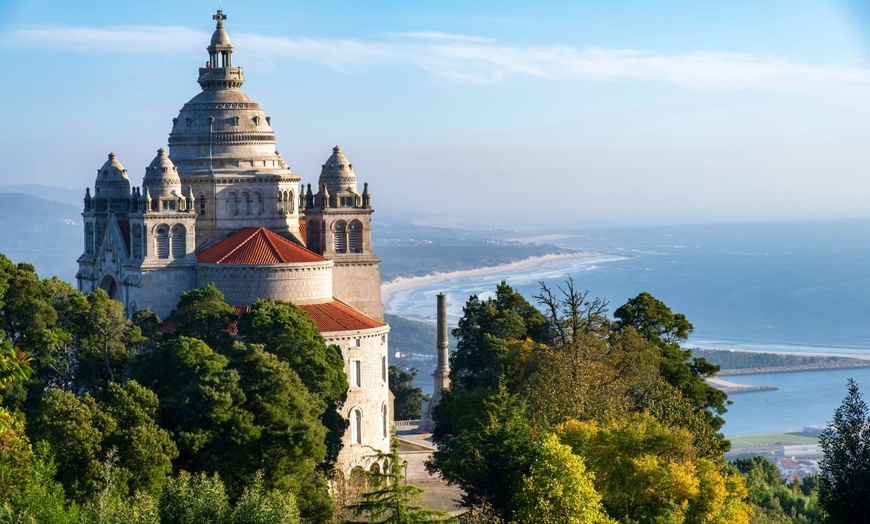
(222, 206)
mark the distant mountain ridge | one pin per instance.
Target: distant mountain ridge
(47, 234)
(70, 197)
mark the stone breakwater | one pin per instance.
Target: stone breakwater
(731, 390)
(820, 366)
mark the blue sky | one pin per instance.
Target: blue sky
(488, 113)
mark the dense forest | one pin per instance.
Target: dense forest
(556, 413)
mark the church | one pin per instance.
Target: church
(222, 206)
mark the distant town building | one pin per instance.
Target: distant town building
(222, 206)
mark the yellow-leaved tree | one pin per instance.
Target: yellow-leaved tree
(646, 471)
(558, 489)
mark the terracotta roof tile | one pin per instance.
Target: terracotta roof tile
(303, 231)
(338, 316)
(253, 245)
(124, 224)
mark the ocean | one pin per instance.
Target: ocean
(800, 287)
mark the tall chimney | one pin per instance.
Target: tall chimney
(442, 371)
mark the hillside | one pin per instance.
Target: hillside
(47, 234)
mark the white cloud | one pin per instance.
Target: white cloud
(464, 58)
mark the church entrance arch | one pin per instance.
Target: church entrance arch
(110, 287)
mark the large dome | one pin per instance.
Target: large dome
(222, 123)
(222, 127)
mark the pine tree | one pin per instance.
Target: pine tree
(392, 499)
(844, 486)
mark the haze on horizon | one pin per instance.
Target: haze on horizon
(491, 113)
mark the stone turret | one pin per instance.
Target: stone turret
(112, 180)
(339, 228)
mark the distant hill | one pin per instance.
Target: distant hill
(47, 234)
(70, 197)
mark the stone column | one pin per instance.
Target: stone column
(442, 371)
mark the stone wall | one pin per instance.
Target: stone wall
(358, 283)
(242, 284)
(368, 393)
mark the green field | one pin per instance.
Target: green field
(771, 439)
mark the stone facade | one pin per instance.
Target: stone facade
(367, 407)
(222, 179)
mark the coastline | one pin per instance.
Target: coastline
(401, 284)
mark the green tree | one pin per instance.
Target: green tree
(408, 397)
(144, 450)
(200, 401)
(28, 491)
(844, 484)
(286, 331)
(106, 341)
(83, 431)
(260, 506)
(667, 330)
(108, 505)
(194, 499)
(392, 500)
(202, 313)
(25, 310)
(558, 489)
(484, 329)
(486, 444)
(289, 437)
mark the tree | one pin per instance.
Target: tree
(286, 331)
(392, 500)
(83, 431)
(486, 443)
(202, 313)
(844, 485)
(192, 499)
(28, 491)
(238, 414)
(105, 340)
(484, 329)
(667, 330)
(408, 397)
(558, 489)
(648, 472)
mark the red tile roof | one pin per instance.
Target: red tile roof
(303, 231)
(327, 316)
(124, 224)
(338, 316)
(257, 245)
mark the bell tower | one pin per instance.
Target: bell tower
(338, 223)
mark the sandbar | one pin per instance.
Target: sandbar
(400, 284)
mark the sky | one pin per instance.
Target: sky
(477, 114)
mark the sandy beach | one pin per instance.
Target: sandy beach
(404, 284)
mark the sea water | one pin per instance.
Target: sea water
(800, 287)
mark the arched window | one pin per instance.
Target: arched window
(355, 237)
(178, 242)
(340, 238)
(162, 242)
(201, 200)
(257, 204)
(232, 204)
(136, 241)
(291, 203)
(246, 204)
(89, 238)
(356, 426)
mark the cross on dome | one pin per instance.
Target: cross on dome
(220, 17)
